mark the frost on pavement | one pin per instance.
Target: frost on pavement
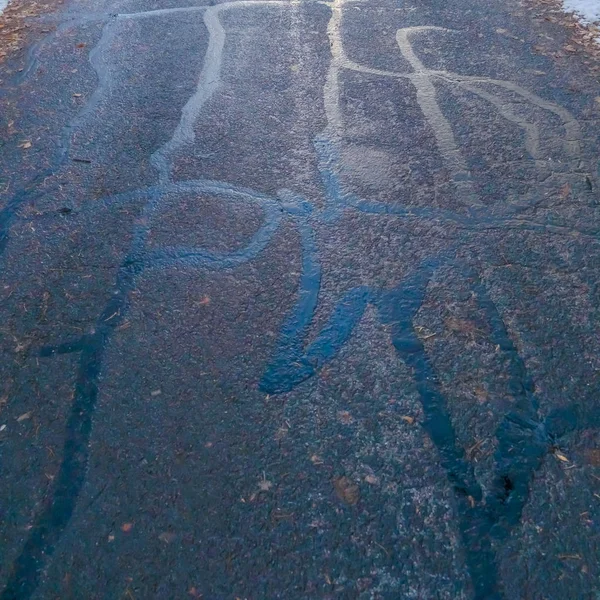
(587, 10)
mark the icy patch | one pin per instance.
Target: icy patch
(587, 10)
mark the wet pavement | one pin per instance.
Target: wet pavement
(299, 300)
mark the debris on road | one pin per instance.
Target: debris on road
(18, 26)
(347, 491)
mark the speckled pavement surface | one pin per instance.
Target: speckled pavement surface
(299, 300)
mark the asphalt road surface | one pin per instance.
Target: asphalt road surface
(299, 300)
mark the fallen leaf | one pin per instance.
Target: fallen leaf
(77, 95)
(2, 427)
(156, 393)
(264, 485)
(80, 45)
(111, 538)
(372, 479)
(409, 420)
(24, 417)
(315, 459)
(345, 417)
(565, 190)
(561, 457)
(126, 527)
(346, 490)
(205, 301)
(481, 394)
(25, 144)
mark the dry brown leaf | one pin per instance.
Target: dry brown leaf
(24, 417)
(409, 420)
(126, 527)
(481, 394)
(565, 190)
(346, 490)
(345, 417)
(25, 144)
(561, 457)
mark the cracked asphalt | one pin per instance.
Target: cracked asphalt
(299, 299)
